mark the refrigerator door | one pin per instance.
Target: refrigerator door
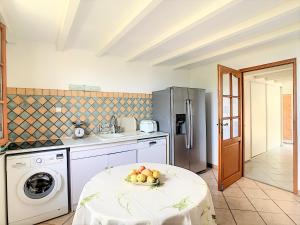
(161, 105)
(198, 160)
(179, 98)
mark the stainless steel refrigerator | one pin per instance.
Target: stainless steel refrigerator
(181, 112)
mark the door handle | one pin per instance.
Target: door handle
(191, 124)
(224, 125)
(152, 143)
(187, 125)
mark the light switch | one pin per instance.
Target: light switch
(58, 109)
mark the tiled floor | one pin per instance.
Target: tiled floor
(63, 220)
(244, 203)
(248, 202)
(274, 167)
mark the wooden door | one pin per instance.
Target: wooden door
(230, 129)
(287, 118)
(3, 96)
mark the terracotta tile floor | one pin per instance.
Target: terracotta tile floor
(246, 202)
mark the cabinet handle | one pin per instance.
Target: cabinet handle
(152, 143)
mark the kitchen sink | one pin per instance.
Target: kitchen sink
(115, 135)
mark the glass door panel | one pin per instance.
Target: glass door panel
(1, 121)
(226, 107)
(1, 57)
(226, 84)
(226, 129)
(1, 84)
(235, 107)
(235, 124)
(235, 86)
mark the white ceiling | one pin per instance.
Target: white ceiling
(176, 33)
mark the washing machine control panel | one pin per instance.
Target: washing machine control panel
(27, 161)
(46, 160)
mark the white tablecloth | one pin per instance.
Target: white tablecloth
(183, 198)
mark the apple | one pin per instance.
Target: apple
(133, 178)
(156, 174)
(141, 168)
(150, 179)
(133, 172)
(147, 172)
(141, 178)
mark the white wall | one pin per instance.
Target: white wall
(206, 77)
(258, 118)
(36, 65)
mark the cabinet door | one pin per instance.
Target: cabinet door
(3, 95)
(154, 151)
(82, 170)
(121, 158)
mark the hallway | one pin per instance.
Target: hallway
(274, 167)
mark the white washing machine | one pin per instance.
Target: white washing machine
(37, 186)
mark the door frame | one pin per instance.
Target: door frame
(292, 61)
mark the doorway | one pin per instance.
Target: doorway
(268, 128)
(231, 159)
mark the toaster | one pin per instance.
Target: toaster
(148, 126)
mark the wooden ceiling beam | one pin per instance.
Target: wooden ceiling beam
(187, 25)
(127, 26)
(67, 22)
(233, 31)
(294, 29)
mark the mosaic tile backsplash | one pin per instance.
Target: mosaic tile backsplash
(32, 112)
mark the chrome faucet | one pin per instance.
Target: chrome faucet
(113, 124)
(111, 127)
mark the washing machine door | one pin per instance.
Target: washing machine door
(39, 186)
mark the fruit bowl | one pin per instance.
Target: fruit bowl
(143, 176)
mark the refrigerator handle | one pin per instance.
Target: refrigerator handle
(191, 124)
(187, 124)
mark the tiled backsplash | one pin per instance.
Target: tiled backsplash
(32, 112)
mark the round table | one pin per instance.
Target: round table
(182, 198)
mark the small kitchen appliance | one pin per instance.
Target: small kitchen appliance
(79, 130)
(148, 126)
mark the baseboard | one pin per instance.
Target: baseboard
(210, 165)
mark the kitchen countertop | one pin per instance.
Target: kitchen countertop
(96, 139)
(93, 140)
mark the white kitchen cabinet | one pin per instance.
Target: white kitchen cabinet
(152, 150)
(121, 158)
(86, 162)
(82, 170)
